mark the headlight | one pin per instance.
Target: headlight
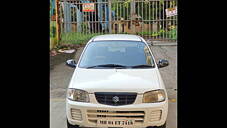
(154, 96)
(77, 95)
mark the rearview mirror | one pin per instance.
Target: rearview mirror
(163, 63)
(71, 63)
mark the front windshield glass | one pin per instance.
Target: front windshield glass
(126, 53)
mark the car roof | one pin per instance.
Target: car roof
(110, 37)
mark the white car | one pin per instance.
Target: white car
(116, 83)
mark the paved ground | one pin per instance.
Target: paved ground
(61, 74)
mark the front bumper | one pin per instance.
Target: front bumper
(87, 114)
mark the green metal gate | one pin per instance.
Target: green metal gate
(152, 19)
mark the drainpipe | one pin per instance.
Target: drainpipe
(57, 21)
(110, 17)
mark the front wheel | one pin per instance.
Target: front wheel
(162, 126)
(71, 126)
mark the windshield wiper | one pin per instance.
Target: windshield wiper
(108, 65)
(143, 66)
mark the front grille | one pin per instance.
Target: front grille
(76, 114)
(95, 115)
(115, 98)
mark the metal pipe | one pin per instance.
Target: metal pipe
(110, 22)
(142, 19)
(150, 21)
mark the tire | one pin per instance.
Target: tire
(162, 126)
(72, 126)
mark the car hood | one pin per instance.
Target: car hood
(115, 80)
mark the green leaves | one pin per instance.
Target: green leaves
(52, 29)
(76, 37)
(146, 1)
(172, 3)
(126, 3)
(162, 2)
(172, 33)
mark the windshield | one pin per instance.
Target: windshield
(120, 53)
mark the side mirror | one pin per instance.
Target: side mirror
(71, 63)
(163, 63)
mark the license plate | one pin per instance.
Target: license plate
(102, 122)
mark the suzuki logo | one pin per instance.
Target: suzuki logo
(115, 99)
